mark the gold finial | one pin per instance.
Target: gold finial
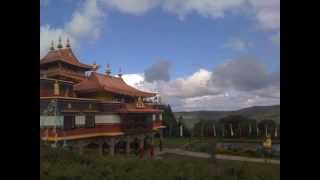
(59, 44)
(52, 46)
(120, 72)
(108, 70)
(68, 43)
(95, 67)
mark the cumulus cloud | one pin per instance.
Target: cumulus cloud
(47, 34)
(244, 74)
(85, 23)
(132, 6)
(158, 72)
(239, 83)
(207, 8)
(267, 13)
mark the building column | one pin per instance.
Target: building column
(111, 146)
(161, 134)
(161, 138)
(80, 146)
(141, 142)
(152, 139)
(128, 145)
(100, 143)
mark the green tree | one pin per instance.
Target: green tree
(170, 121)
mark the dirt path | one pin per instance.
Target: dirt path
(218, 156)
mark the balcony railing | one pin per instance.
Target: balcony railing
(63, 71)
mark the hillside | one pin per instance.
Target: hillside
(256, 112)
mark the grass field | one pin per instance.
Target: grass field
(64, 165)
(202, 145)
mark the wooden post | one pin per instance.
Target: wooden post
(128, 145)
(111, 146)
(101, 148)
(141, 142)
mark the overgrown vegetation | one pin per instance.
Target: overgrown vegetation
(204, 145)
(59, 164)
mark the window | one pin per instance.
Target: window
(153, 117)
(160, 117)
(80, 121)
(69, 122)
(90, 121)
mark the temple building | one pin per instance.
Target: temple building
(80, 107)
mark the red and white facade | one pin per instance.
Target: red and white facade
(79, 106)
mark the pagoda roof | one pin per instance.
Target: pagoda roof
(65, 55)
(102, 82)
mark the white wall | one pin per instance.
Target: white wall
(46, 121)
(107, 119)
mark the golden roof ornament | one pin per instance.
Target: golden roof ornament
(52, 46)
(108, 70)
(68, 43)
(59, 44)
(140, 103)
(95, 67)
(120, 73)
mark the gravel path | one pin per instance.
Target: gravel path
(218, 156)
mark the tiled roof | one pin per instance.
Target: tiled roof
(65, 55)
(102, 82)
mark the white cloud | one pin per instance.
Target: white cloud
(267, 13)
(207, 8)
(133, 79)
(236, 84)
(47, 34)
(86, 23)
(132, 6)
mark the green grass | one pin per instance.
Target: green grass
(222, 168)
(65, 165)
(202, 145)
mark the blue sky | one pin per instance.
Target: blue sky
(138, 37)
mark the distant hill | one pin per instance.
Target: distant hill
(256, 112)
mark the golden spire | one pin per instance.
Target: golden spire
(108, 70)
(68, 43)
(59, 44)
(52, 46)
(120, 72)
(95, 67)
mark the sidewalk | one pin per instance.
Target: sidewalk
(218, 156)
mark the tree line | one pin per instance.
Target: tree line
(231, 126)
(236, 126)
